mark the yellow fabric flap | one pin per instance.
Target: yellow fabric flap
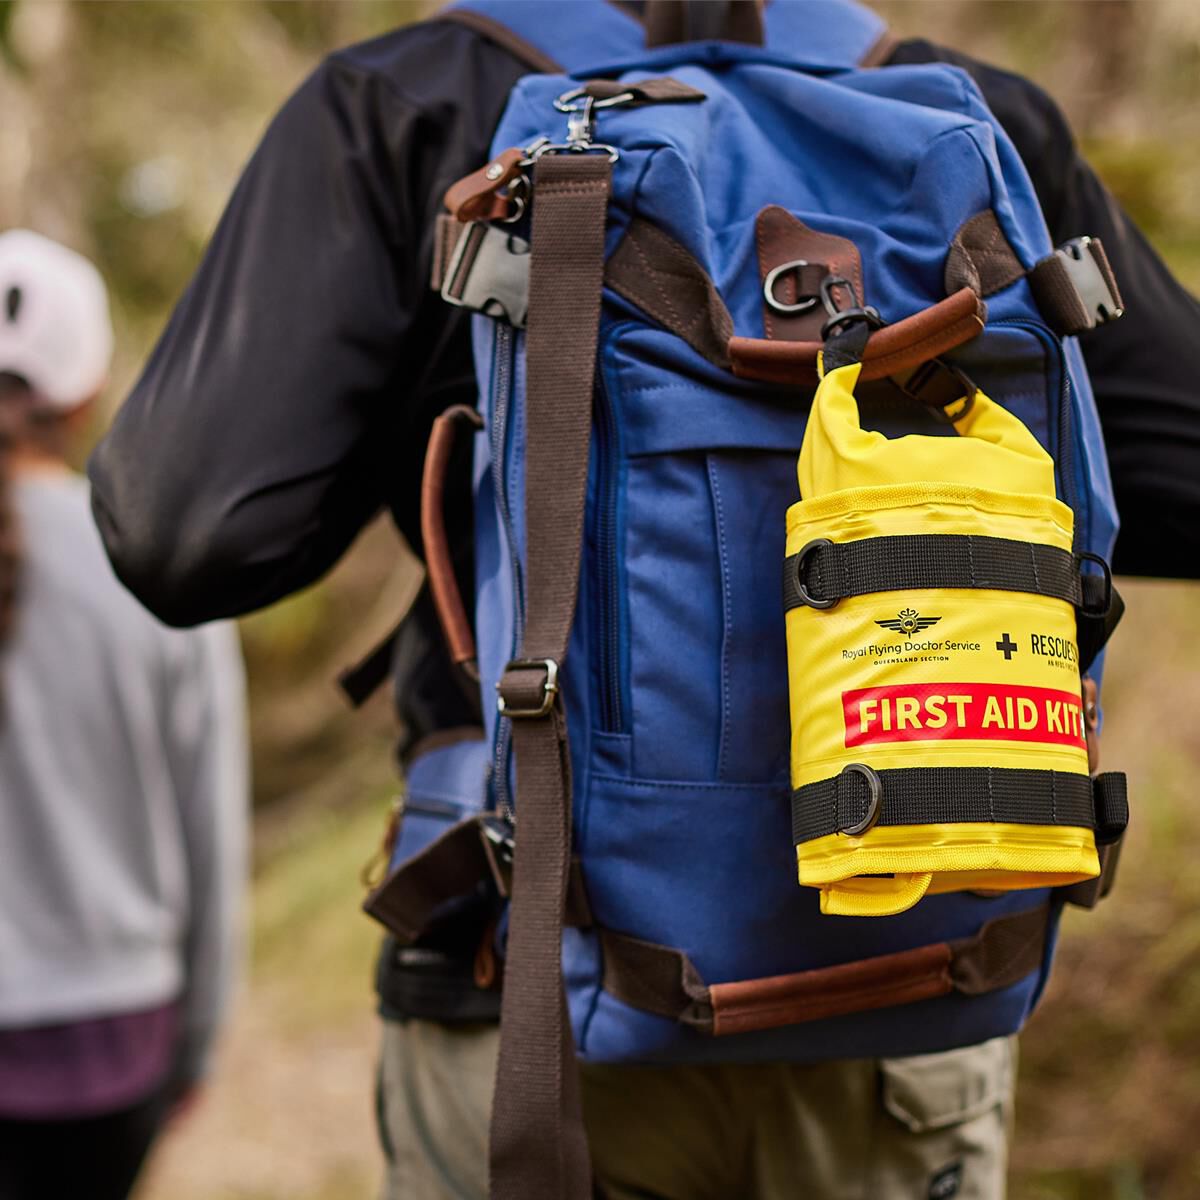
(994, 448)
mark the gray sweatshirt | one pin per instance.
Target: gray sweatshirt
(123, 792)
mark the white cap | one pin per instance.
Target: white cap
(55, 330)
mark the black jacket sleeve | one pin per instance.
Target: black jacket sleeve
(291, 394)
(1145, 368)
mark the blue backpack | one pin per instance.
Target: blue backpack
(656, 252)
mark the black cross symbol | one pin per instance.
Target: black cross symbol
(1007, 646)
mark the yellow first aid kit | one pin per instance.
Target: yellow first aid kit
(937, 722)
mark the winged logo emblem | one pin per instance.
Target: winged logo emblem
(908, 621)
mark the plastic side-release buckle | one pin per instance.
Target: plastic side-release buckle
(1086, 266)
(939, 386)
(513, 708)
(489, 273)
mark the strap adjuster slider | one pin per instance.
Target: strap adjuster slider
(549, 688)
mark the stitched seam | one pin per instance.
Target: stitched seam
(954, 330)
(699, 785)
(768, 320)
(727, 602)
(653, 277)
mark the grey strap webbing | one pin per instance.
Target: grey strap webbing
(538, 1147)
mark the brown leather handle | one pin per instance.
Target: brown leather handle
(439, 566)
(901, 978)
(663, 980)
(892, 349)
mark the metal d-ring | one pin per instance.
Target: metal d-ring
(804, 304)
(806, 597)
(518, 196)
(874, 797)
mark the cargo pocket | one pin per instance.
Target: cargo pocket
(943, 1124)
(689, 604)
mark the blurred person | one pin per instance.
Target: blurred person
(298, 379)
(123, 785)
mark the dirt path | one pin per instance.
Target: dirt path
(283, 1117)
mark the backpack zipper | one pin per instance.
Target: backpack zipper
(1064, 463)
(605, 575)
(504, 359)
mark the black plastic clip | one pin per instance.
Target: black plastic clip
(841, 317)
(938, 386)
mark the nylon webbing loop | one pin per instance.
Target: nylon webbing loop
(825, 572)
(538, 1148)
(949, 795)
(1111, 806)
(662, 980)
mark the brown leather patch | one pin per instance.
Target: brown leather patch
(663, 90)
(663, 279)
(476, 197)
(410, 898)
(981, 258)
(892, 349)
(881, 982)
(782, 238)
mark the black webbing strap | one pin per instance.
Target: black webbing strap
(824, 572)
(362, 680)
(1089, 892)
(1097, 616)
(860, 797)
(538, 1147)
(664, 981)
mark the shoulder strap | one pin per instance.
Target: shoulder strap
(538, 1145)
(500, 33)
(589, 34)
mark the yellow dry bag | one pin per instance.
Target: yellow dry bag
(938, 733)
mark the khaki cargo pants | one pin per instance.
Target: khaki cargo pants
(933, 1127)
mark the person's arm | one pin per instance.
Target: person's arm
(1145, 372)
(1144, 368)
(207, 748)
(291, 394)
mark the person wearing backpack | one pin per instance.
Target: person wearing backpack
(124, 782)
(347, 381)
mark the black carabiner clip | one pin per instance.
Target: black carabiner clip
(839, 317)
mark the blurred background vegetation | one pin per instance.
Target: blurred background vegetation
(122, 130)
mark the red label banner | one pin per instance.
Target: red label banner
(929, 712)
